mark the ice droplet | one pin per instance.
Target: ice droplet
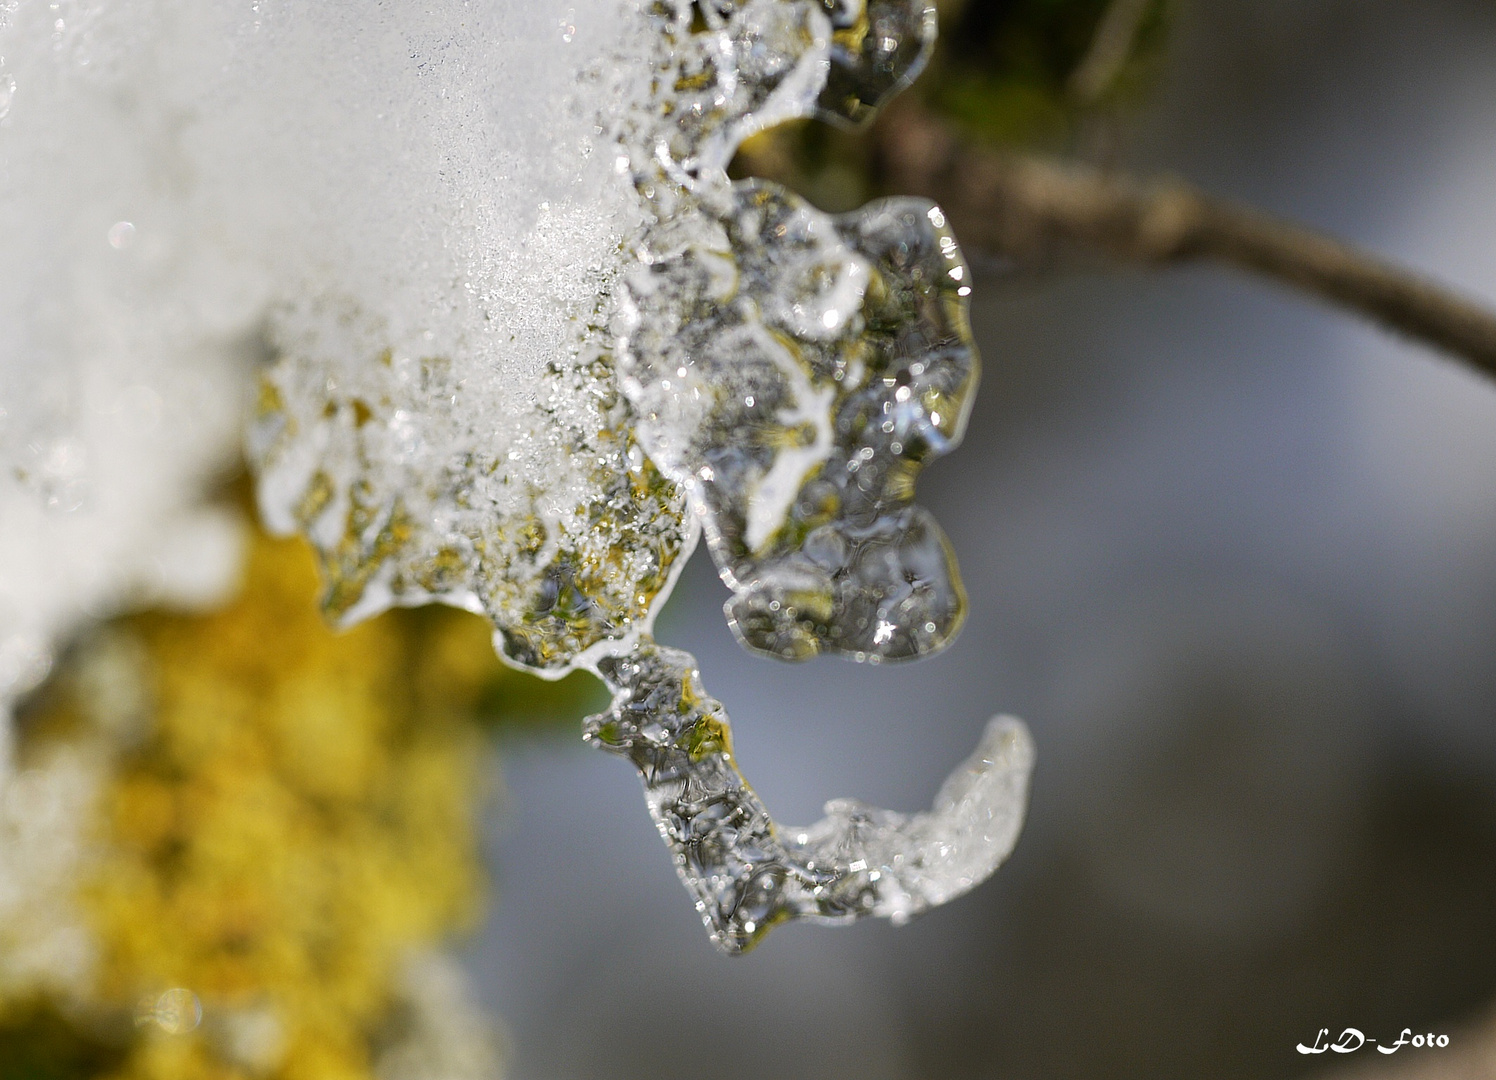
(879, 47)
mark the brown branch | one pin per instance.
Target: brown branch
(1115, 35)
(1031, 209)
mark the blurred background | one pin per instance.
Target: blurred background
(1230, 554)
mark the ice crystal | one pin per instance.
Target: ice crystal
(524, 340)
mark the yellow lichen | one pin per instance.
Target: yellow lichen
(296, 818)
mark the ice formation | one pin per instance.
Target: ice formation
(748, 874)
(520, 340)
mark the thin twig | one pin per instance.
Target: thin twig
(1112, 43)
(1032, 209)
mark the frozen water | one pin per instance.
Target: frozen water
(792, 371)
(185, 187)
(746, 873)
(832, 361)
(517, 340)
(789, 373)
(877, 49)
(404, 476)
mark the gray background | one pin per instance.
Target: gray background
(1231, 557)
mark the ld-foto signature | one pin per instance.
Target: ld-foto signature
(1352, 1039)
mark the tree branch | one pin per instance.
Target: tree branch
(1115, 35)
(1031, 209)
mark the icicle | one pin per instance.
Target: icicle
(748, 874)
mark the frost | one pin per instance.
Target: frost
(520, 342)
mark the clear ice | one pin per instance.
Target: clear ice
(748, 874)
(519, 341)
